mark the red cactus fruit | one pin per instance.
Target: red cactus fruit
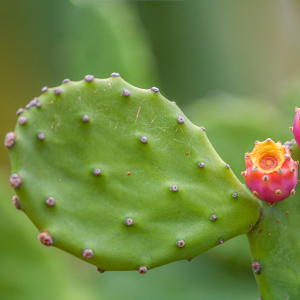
(271, 173)
(296, 126)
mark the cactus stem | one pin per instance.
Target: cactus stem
(20, 110)
(144, 139)
(278, 192)
(15, 181)
(256, 267)
(22, 120)
(142, 270)
(100, 270)
(15, 200)
(235, 195)
(180, 120)
(181, 243)
(10, 139)
(201, 164)
(114, 75)
(244, 173)
(45, 238)
(87, 253)
(85, 118)
(126, 93)
(221, 241)
(97, 172)
(213, 217)
(50, 201)
(174, 188)
(265, 178)
(89, 78)
(129, 222)
(41, 136)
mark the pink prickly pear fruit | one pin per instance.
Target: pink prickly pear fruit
(271, 173)
(296, 126)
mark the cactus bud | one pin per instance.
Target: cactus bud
(271, 172)
(296, 126)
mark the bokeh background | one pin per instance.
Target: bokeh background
(231, 65)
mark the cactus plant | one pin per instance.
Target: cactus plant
(119, 177)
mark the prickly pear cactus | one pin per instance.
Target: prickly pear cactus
(275, 244)
(119, 177)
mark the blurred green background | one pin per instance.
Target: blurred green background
(232, 66)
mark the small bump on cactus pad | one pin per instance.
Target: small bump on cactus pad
(271, 174)
(72, 154)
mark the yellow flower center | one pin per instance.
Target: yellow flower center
(268, 156)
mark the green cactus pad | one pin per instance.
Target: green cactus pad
(275, 244)
(111, 174)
